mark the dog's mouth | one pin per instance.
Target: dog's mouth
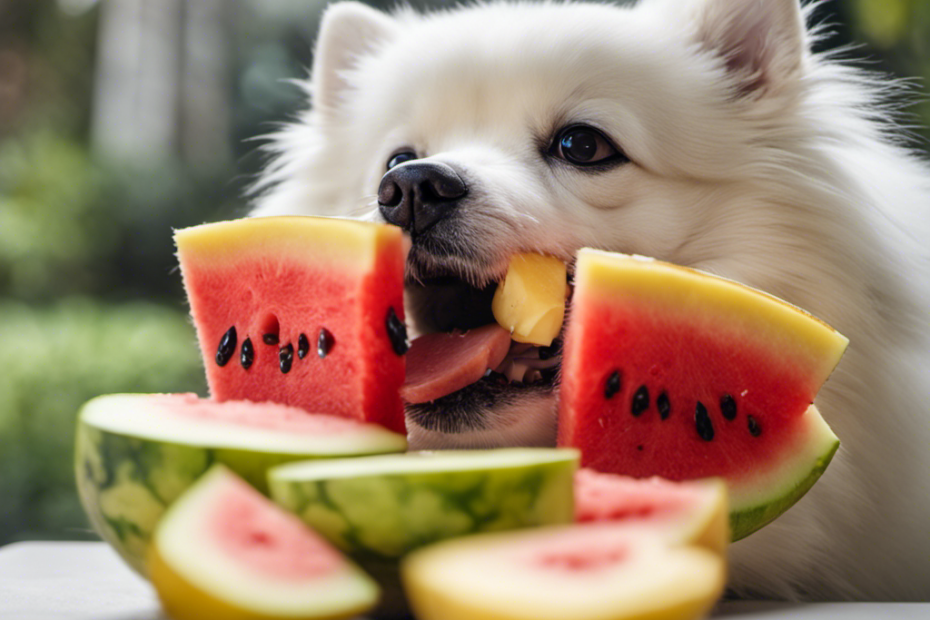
(462, 330)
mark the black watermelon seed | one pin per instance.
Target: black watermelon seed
(728, 407)
(325, 343)
(397, 332)
(227, 347)
(663, 405)
(270, 339)
(705, 429)
(754, 429)
(640, 401)
(639, 448)
(613, 384)
(303, 346)
(247, 355)
(286, 357)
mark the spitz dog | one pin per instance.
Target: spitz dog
(703, 132)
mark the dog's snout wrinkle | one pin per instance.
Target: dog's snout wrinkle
(416, 195)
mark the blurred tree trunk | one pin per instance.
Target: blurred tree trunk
(162, 81)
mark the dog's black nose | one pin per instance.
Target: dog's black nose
(415, 196)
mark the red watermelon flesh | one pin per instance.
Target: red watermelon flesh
(302, 311)
(674, 373)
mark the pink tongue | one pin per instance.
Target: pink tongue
(439, 364)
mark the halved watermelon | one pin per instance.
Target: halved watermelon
(676, 373)
(137, 453)
(224, 552)
(302, 311)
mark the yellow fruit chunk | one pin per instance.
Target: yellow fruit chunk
(530, 301)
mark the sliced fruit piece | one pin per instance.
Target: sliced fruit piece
(676, 373)
(302, 311)
(583, 572)
(225, 552)
(387, 506)
(698, 509)
(530, 301)
(136, 453)
(442, 363)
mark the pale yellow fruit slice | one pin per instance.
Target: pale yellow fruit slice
(581, 572)
(530, 300)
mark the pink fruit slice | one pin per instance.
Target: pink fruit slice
(302, 311)
(696, 511)
(225, 552)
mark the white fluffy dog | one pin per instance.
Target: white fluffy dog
(701, 132)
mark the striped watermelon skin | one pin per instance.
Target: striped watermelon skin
(126, 480)
(323, 293)
(385, 509)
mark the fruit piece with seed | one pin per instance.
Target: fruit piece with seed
(286, 358)
(226, 348)
(303, 346)
(275, 277)
(384, 507)
(530, 300)
(224, 552)
(711, 349)
(613, 384)
(247, 355)
(640, 401)
(582, 572)
(324, 343)
(136, 453)
(702, 423)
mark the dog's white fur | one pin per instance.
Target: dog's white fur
(751, 157)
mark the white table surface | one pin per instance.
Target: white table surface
(88, 581)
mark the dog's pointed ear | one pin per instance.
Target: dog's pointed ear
(763, 42)
(347, 31)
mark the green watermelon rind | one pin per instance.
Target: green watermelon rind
(126, 482)
(382, 515)
(797, 476)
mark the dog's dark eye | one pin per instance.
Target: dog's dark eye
(585, 146)
(399, 158)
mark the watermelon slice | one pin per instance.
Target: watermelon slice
(583, 572)
(697, 509)
(137, 453)
(224, 552)
(386, 506)
(302, 311)
(675, 373)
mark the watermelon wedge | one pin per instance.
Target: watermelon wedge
(676, 373)
(137, 453)
(224, 552)
(696, 511)
(302, 311)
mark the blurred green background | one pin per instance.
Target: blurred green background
(123, 119)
